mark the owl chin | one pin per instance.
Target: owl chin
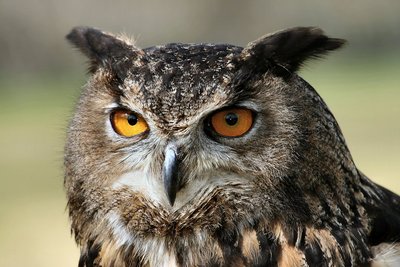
(138, 193)
(142, 223)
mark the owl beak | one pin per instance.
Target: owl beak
(170, 172)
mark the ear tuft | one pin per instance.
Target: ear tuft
(290, 48)
(102, 49)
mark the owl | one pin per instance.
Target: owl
(217, 155)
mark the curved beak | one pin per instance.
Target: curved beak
(170, 172)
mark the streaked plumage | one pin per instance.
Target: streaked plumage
(284, 193)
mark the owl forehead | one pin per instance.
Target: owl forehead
(175, 82)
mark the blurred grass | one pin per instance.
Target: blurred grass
(363, 93)
(34, 224)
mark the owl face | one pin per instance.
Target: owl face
(173, 138)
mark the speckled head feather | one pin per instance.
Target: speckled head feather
(282, 190)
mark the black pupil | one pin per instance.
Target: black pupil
(231, 118)
(132, 119)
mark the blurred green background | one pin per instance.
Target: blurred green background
(41, 76)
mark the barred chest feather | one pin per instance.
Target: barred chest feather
(249, 247)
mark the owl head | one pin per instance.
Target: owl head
(176, 142)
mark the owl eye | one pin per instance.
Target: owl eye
(233, 122)
(127, 123)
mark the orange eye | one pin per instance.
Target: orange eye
(128, 124)
(233, 122)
